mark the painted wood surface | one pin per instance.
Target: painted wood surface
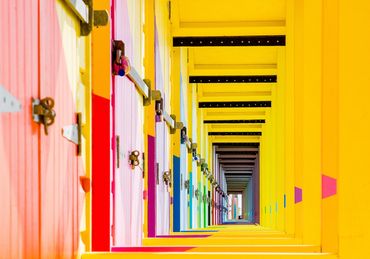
(162, 150)
(41, 196)
(61, 193)
(128, 121)
(19, 136)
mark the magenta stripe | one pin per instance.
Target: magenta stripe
(183, 236)
(148, 249)
(151, 186)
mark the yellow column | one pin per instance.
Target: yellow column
(289, 155)
(354, 128)
(149, 113)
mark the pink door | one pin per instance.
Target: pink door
(60, 79)
(129, 135)
(162, 156)
(41, 198)
(19, 136)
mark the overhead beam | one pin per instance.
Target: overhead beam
(229, 28)
(239, 163)
(265, 40)
(236, 149)
(232, 145)
(251, 104)
(245, 133)
(233, 122)
(233, 79)
(237, 156)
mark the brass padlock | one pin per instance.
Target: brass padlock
(167, 177)
(134, 159)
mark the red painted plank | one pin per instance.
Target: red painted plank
(100, 174)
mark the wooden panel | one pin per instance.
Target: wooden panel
(61, 194)
(19, 185)
(128, 121)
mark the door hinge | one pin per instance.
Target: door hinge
(74, 132)
(169, 10)
(8, 103)
(117, 151)
(143, 155)
(113, 229)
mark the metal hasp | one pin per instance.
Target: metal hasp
(73, 132)
(8, 103)
(83, 9)
(100, 18)
(197, 194)
(198, 159)
(154, 95)
(169, 120)
(43, 113)
(80, 8)
(203, 165)
(141, 86)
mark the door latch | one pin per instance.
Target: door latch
(134, 159)
(186, 184)
(197, 194)
(167, 175)
(43, 113)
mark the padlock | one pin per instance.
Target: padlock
(167, 175)
(134, 159)
(120, 63)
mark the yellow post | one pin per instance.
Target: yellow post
(149, 113)
(354, 128)
(289, 155)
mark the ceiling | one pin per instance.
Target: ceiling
(243, 20)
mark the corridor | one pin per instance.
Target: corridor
(184, 129)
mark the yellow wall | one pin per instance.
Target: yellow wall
(354, 128)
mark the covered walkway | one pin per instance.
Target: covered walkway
(184, 128)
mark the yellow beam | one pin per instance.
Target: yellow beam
(247, 28)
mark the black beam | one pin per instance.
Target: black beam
(233, 122)
(246, 133)
(204, 41)
(237, 152)
(250, 104)
(233, 79)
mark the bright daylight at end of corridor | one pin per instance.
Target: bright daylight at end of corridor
(194, 129)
